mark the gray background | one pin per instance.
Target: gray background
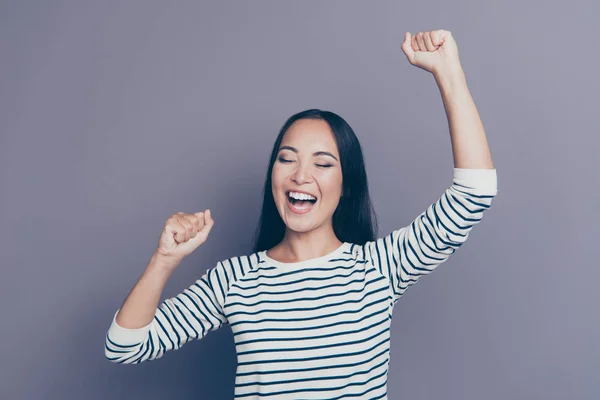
(114, 115)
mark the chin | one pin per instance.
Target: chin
(299, 226)
(302, 229)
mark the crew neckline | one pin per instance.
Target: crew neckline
(310, 262)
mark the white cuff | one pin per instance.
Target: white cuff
(485, 181)
(126, 336)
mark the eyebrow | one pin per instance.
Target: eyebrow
(317, 153)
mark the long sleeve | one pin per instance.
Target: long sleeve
(189, 315)
(410, 252)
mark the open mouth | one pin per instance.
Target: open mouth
(302, 204)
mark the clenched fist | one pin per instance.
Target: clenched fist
(434, 51)
(183, 233)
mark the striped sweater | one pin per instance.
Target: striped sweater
(315, 329)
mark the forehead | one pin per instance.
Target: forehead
(310, 134)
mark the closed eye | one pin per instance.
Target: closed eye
(283, 160)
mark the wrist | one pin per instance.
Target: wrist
(163, 263)
(452, 84)
(450, 75)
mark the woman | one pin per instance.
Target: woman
(310, 308)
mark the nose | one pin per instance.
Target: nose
(301, 175)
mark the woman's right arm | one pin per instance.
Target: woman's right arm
(178, 320)
(139, 307)
(144, 330)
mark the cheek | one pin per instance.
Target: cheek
(277, 175)
(276, 183)
(331, 183)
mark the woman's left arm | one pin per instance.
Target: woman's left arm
(437, 53)
(469, 143)
(408, 253)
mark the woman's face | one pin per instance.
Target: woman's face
(307, 165)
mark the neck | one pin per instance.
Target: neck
(301, 246)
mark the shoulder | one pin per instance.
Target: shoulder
(370, 250)
(234, 268)
(357, 251)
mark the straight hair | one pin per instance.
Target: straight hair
(354, 219)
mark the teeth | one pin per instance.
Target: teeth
(301, 196)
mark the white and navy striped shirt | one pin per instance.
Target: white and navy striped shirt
(320, 328)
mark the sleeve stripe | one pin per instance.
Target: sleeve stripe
(417, 249)
(190, 315)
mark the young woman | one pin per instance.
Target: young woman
(310, 308)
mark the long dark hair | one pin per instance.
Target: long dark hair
(354, 219)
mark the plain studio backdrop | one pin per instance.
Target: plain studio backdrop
(116, 114)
